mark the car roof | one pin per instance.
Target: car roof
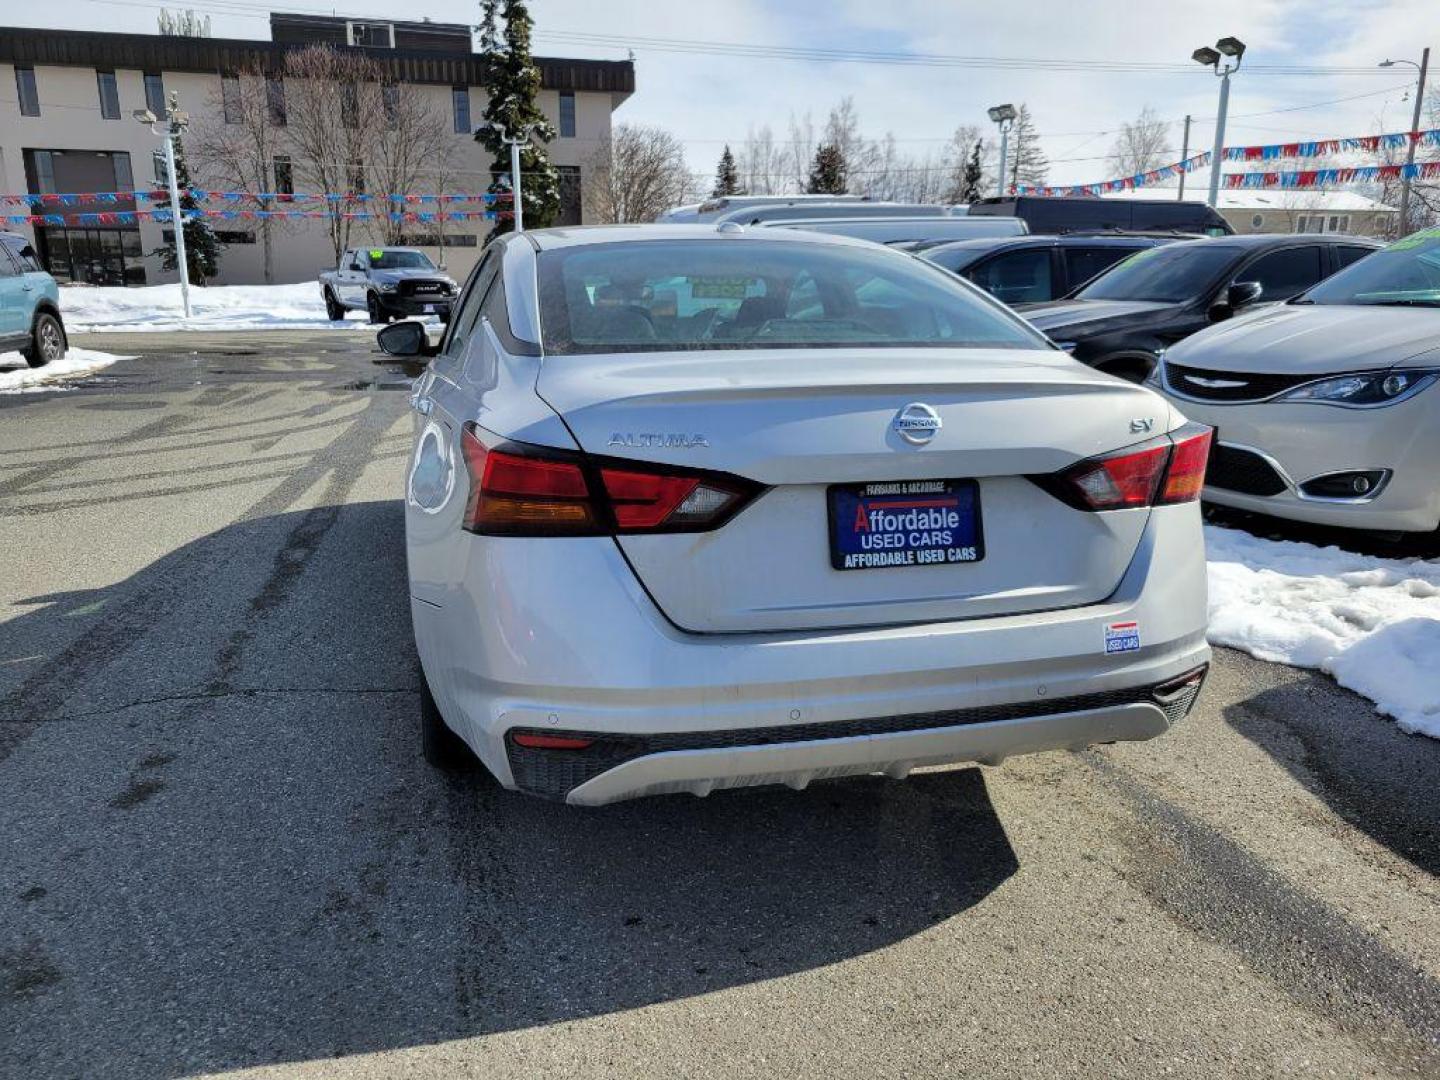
(577, 236)
(990, 243)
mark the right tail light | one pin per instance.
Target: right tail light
(1170, 469)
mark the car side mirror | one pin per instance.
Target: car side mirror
(1242, 293)
(407, 338)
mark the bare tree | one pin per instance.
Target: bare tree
(800, 150)
(636, 175)
(1140, 146)
(237, 142)
(762, 163)
(337, 119)
(411, 153)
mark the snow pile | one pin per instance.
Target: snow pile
(215, 307)
(18, 377)
(1372, 623)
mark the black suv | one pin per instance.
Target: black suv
(1121, 321)
(1031, 269)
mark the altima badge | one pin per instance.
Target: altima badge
(657, 440)
(917, 423)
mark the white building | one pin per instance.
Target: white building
(66, 99)
(1286, 210)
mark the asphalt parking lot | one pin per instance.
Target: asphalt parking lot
(220, 849)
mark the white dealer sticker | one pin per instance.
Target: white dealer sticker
(1122, 637)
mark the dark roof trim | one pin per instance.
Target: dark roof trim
(151, 52)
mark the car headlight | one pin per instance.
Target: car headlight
(1363, 390)
(387, 286)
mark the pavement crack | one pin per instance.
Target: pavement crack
(214, 695)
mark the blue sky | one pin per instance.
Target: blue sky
(708, 99)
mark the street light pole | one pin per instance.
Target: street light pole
(175, 123)
(516, 202)
(1004, 118)
(1235, 49)
(1423, 67)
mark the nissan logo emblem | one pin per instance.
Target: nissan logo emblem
(917, 423)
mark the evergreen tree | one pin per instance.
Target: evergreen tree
(727, 177)
(829, 172)
(972, 180)
(1029, 165)
(202, 250)
(511, 79)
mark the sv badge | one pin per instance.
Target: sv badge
(1142, 425)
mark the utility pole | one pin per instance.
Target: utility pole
(1410, 151)
(1184, 157)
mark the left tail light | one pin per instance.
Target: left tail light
(1160, 472)
(518, 490)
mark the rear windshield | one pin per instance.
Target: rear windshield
(399, 260)
(1172, 273)
(740, 294)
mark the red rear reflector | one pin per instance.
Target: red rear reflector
(645, 500)
(1187, 464)
(551, 742)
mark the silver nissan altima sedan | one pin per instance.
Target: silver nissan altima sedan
(699, 507)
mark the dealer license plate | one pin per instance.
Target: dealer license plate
(905, 523)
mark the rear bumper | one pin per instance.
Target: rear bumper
(557, 636)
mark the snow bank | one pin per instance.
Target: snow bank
(215, 307)
(18, 377)
(1372, 623)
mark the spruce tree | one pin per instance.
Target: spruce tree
(829, 171)
(972, 180)
(511, 80)
(727, 177)
(202, 249)
(1029, 165)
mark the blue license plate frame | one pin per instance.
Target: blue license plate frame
(905, 523)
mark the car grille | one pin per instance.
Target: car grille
(424, 288)
(1233, 386)
(1245, 471)
(554, 773)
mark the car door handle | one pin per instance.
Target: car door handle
(423, 405)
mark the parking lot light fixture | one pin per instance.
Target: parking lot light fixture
(1004, 117)
(1233, 49)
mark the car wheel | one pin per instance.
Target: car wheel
(442, 747)
(376, 312)
(47, 341)
(334, 311)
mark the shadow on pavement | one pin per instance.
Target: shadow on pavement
(1369, 772)
(223, 848)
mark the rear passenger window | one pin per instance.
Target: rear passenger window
(463, 321)
(1286, 273)
(1083, 263)
(1350, 255)
(1017, 277)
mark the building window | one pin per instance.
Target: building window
(390, 101)
(230, 99)
(284, 175)
(460, 102)
(1256, 221)
(109, 95)
(452, 240)
(26, 92)
(226, 236)
(158, 166)
(569, 177)
(1300, 223)
(350, 105)
(371, 35)
(357, 177)
(155, 94)
(567, 114)
(275, 100)
(1339, 223)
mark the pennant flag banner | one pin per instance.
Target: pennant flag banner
(155, 195)
(1368, 144)
(129, 217)
(1129, 183)
(1321, 178)
(1362, 144)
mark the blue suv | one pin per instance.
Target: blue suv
(29, 304)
